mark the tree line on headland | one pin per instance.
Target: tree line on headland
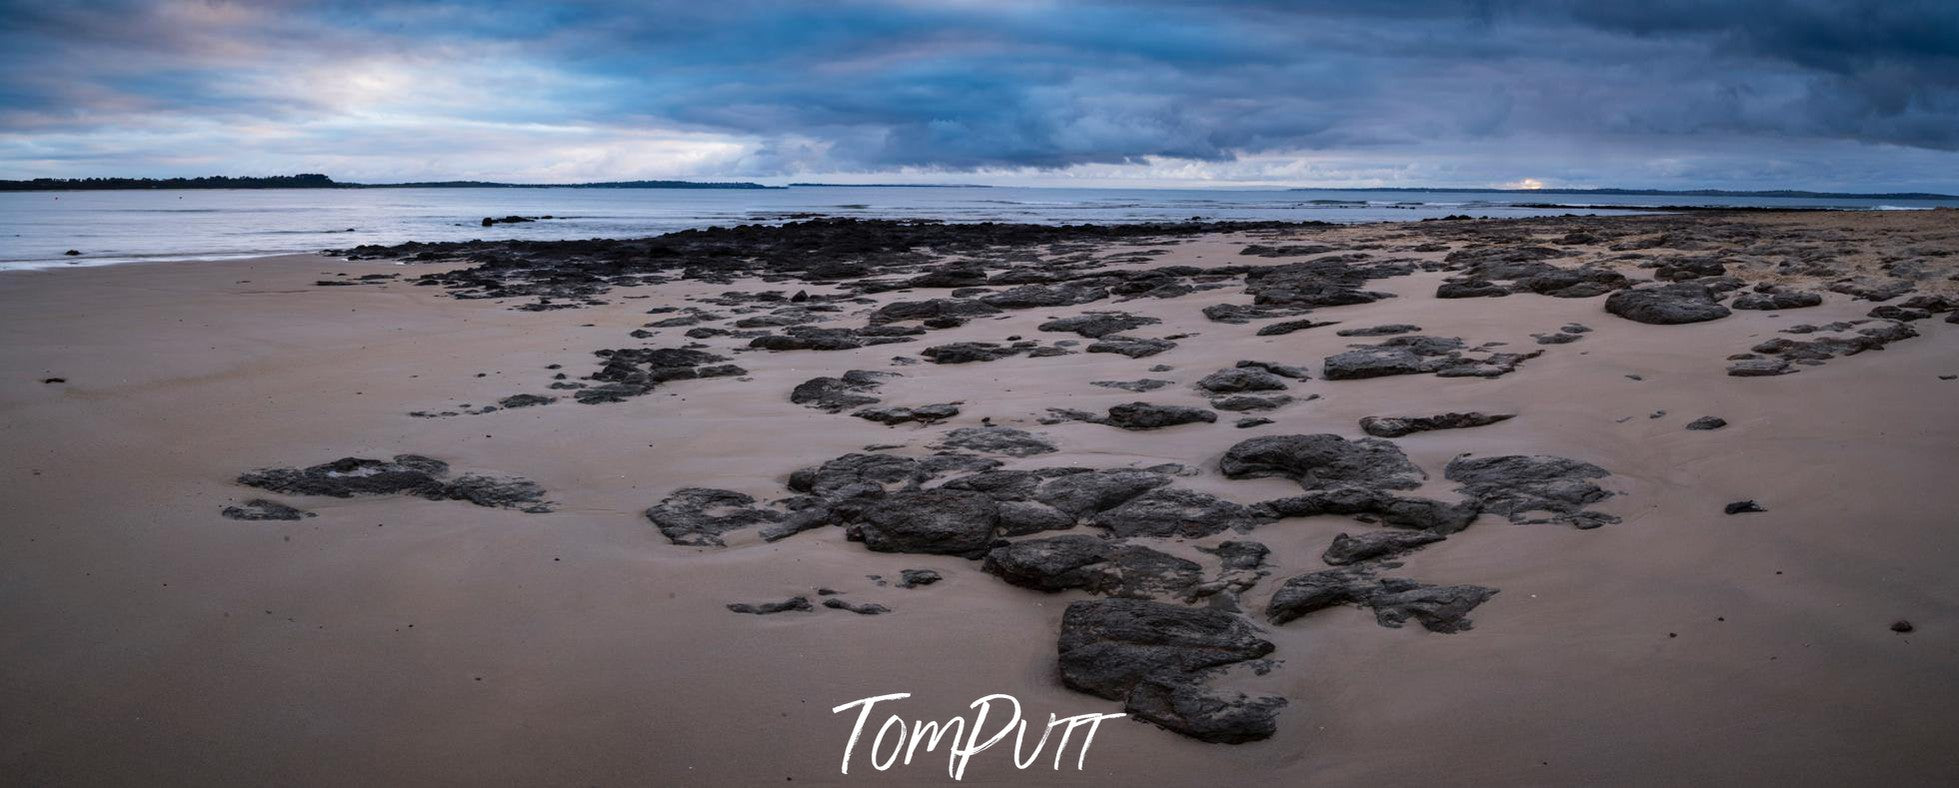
(318, 181)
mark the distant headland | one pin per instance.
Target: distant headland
(318, 181)
(1658, 192)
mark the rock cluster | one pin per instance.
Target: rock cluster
(1397, 426)
(1417, 355)
(405, 474)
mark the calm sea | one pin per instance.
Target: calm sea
(37, 228)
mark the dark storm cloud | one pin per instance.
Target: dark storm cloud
(965, 85)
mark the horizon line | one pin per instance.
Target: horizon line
(319, 181)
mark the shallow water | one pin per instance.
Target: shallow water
(37, 228)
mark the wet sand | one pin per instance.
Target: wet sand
(403, 641)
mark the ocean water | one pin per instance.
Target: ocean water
(37, 228)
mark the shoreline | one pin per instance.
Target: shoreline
(89, 262)
(413, 639)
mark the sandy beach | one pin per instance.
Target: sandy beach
(399, 639)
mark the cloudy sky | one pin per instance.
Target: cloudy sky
(1660, 93)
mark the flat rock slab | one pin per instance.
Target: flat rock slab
(997, 440)
(1095, 325)
(1397, 426)
(260, 509)
(698, 516)
(1322, 460)
(1092, 564)
(1668, 304)
(1109, 646)
(1534, 488)
(406, 474)
(1395, 601)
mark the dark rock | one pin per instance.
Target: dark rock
(922, 414)
(997, 440)
(1388, 508)
(898, 311)
(1679, 269)
(1082, 494)
(1282, 370)
(1289, 326)
(1471, 289)
(1296, 250)
(1146, 416)
(862, 609)
(1871, 289)
(841, 393)
(633, 372)
(1247, 402)
(509, 493)
(1376, 544)
(525, 400)
(771, 321)
(1378, 331)
(1239, 555)
(810, 517)
(1397, 426)
(407, 474)
(1238, 379)
(1322, 460)
(1315, 591)
(1670, 304)
(1442, 609)
(1410, 355)
(1902, 626)
(1029, 296)
(968, 352)
(1251, 421)
(262, 509)
(949, 276)
(1133, 347)
(1099, 324)
(856, 474)
(1205, 713)
(1019, 518)
(698, 516)
(1777, 300)
(949, 522)
(1138, 386)
(1759, 367)
(1328, 281)
(832, 339)
(1173, 512)
(1894, 312)
(1239, 314)
(1743, 507)
(913, 578)
(1929, 303)
(1815, 351)
(1093, 564)
(1518, 485)
(344, 478)
(1373, 363)
(1109, 646)
(765, 608)
(1707, 423)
